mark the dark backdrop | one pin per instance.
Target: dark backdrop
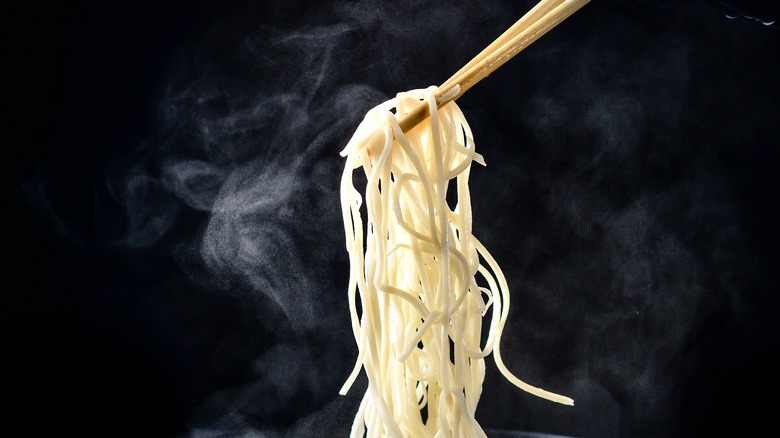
(175, 261)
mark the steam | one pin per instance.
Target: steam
(605, 201)
(194, 182)
(256, 149)
(618, 205)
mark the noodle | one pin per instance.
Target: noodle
(415, 266)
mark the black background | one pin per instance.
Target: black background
(631, 197)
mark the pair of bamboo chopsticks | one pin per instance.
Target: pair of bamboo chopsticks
(535, 23)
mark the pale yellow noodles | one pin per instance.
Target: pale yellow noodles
(424, 281)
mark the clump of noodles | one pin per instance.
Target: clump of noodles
(424, 280)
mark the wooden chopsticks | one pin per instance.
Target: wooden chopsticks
(538, 21)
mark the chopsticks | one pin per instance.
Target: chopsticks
(535, 23)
